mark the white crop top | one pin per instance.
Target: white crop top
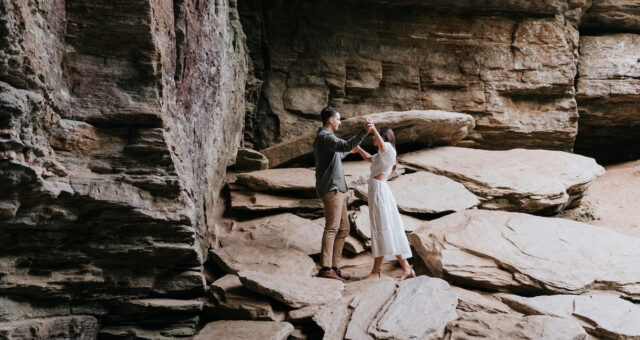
(383, 162)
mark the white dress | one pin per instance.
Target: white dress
(388, 237)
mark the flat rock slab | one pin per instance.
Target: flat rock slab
(508, 326)
(75, 327)
(262, 202)
(421, 308)
(333, 318)
(241, 330)
(472, 301)
(515, 252)
(280, 180)
(427, 193)
(233, 301)
(293, 291)
(235, 258)
(602, 316)
(284, 230)
(535, 181)
(366, 305)
(421, 127)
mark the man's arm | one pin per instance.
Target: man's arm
(336, 144)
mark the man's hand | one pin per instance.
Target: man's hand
(368, 125)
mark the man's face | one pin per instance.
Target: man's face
(334, 121)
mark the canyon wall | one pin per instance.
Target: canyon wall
(510, 64)
(118, 120)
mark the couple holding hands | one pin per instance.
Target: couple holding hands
(388, 239)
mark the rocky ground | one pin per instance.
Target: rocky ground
(494, 257)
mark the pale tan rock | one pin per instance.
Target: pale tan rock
(427, 193)
(421, 308)
(302, 314)
(65, 327)
(241, 330)
(515, 251)
(235, 258)
(256, 201)
(293, 180)
(601, 316)
(284, 230)
(366, 304)
(353, 246)
(234, 301)
(516, 180)
(333, 318)
(473, 301)
(615, 15)
(424, 127)
(482, 325)
(294, 291)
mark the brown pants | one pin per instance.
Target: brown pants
(336, 228)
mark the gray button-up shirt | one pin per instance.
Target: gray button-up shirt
(329, 151)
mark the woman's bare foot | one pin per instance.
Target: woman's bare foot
(371, 275)
(407, 274)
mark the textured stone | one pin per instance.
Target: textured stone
(422, 128)
(294, 180)
(333, 318)
(427, 193)
(240, 330)
(607, 94)
(256, 201)
(250, 160)
(353, 246)
(366, 305)
(604, 317)
(612, 15)
(233, 301)
(237, 257)
(507, 326)
(77, 327)
(523, 180)
(277, 231)
(519, 252)
(294, 291)
(512, 65)
(473, 301)
(421, 308)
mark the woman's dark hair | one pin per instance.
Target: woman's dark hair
(327, 113)
(387, 135)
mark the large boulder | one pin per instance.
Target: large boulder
(366, 305)
(239, 330)
(482, 325)
(524, 253)
(293, 291)
(293, 180)
(421, 308)
(418, 127)
(605, 317)
(284, 230)
(262, 202)
(238, 257)
(535, 181)
(233, 301)
(427, 193)
(608, 90)
(250, 160)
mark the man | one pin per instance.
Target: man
(331, 186)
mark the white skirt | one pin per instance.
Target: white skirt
(388, 238)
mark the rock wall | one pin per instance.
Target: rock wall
(608, 88)
(512, 66)
(117, 121)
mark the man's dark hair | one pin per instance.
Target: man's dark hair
(327, 113)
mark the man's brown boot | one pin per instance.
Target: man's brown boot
(330, 274)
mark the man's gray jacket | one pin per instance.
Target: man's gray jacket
(329, 151)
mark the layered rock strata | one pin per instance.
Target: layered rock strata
(117, 121)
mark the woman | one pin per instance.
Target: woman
(388, 239)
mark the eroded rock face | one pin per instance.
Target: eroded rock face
(534, 181)
(114, 134)
(524, 253)
(236, 330)
(511, 66)
(607, 94)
